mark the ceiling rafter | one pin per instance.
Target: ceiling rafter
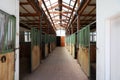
(90, 13)
(63, 5)
(60, 9)
(72, 12)
(49, 14)
(24, 3)
(79, 11)
(33, 6)
(58, 12)
(29, 14)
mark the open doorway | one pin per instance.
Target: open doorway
(93, 52)
(25, 52)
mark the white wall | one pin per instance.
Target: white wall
(105, 10)
(12, 7)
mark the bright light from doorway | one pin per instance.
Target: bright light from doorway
(60, 32)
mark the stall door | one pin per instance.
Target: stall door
(62, 38)
(35, 49)
(7, 46)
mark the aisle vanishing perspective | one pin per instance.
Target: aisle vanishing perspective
(58, 66)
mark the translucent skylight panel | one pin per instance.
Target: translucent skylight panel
(66, 1)
(64, 9)
(47, 3)
(57, 17)
(72, 3)
(53, 1)
(63, 17)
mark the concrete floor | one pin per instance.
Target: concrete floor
(59, 65)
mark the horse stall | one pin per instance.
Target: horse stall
(7, 46)
(87, 52)
(29, 51)
(43, 56)
(25, 53)
(48, 44)
(83, 53)
(71, 44)
(52, 40)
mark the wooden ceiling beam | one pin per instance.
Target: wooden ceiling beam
(56, 12)
(29, 14)
(79, 11)
(65, 16)
(25, 8)
(62, 15)
(24, 26)
(52, 7)
(59, 19)
(68, 7)
(84, 6)
(72, 11)
(63, 5)
(88, 15)
(34, 24)
(32, 3)
(49, 15)
(32, 21)
(91, 4)
(60, 9)
(24, 3)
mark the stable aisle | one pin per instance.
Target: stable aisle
(59, 65)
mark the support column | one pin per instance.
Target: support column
(72, 29)
(78, 27)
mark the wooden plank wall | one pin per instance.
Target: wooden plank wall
(83, 59)
(7, 68)
(46, 50)
(35, 57)
(73, 50)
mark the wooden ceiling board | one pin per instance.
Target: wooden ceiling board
(29, 8)
(88, 9)
(93, 2)
(22, 10)
(23, 18)
(23, 1)
(31, 18)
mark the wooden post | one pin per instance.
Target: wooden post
(78, 23)
(72, 29)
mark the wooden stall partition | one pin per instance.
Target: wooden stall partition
(54, 45)
(84, 47)
(35, 49)
(7, 66)
(73, 51)
(7, 45)
(83, 59)
(46, 50)
(35, 57)
(50, 47)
